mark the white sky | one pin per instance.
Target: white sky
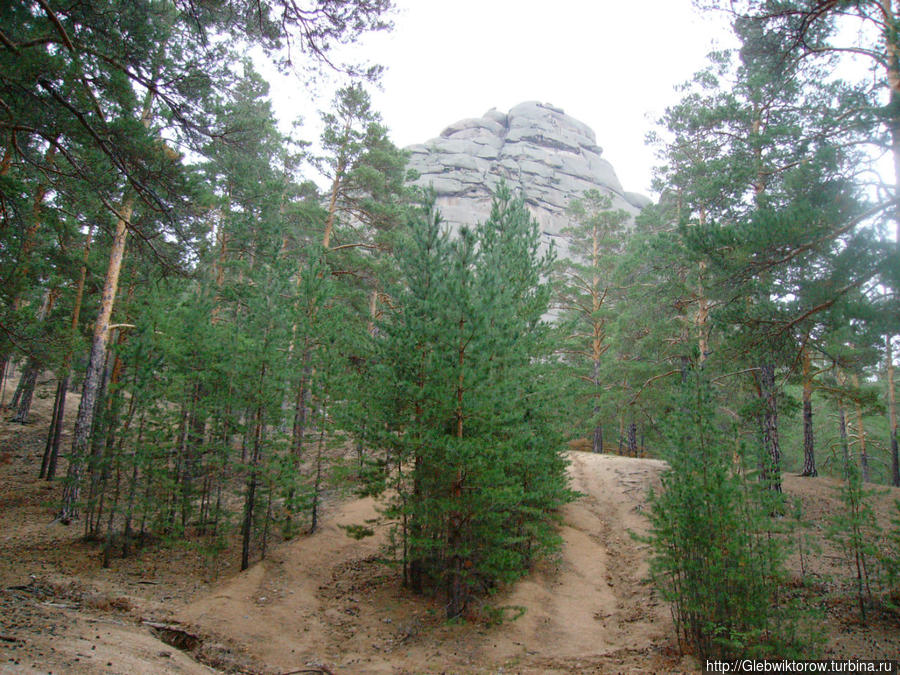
(611, 64)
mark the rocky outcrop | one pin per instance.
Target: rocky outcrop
(552, 157)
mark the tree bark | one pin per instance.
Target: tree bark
(317, 484)
(892, 415)
(597, 439)
(842, 427)
(771, 473)
(250, 499)
(861, 433)
(21, 400)
(29, 376)
(809, 456)
(702, 317)
(84, 421)
(51, 451)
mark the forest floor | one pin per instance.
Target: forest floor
(324, 603)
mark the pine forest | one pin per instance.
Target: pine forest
(270, 404)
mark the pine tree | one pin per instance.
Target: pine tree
(463, 404)
(586, 291)
(714, 557)
(768, 213)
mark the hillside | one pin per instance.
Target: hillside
(323, 603)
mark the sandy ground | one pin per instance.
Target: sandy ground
(336, 606)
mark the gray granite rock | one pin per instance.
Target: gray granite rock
(537, 148)
(638, 200)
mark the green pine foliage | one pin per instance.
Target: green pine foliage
(890, 560)
(714, 554)
(587, 297)
(463, 405)
(856, 532)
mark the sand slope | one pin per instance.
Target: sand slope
(325, 600)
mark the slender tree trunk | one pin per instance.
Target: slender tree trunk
(414, 526)
(20, 274)
(893, 75)
(620, 447)
(5, 375)
(842, 428)
(597, 440)
(132, 491)
(196, 428)
(97, 466)
(268, 519)
(456, 592)
(861, 432)
(301, 402)
(108, 544)
(54, 423)
(702, 317)
(250, 499)
(809, 456)
(373, 310)
(893, 67)
(51, 452)
(317, 485)
(253, 479)
(335, 191)
(85, 419)
(25, 391)
(892, 414)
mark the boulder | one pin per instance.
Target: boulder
(637, 200)
(538, 149)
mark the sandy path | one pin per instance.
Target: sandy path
(325, 600)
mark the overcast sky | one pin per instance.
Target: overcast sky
(610, 64)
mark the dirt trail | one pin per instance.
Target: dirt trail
(324, 600)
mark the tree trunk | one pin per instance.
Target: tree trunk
(250, 499)
(809, 456)
(253, 479)
(301, 402)
(861, 435)
(317, 485)
(25, 392)
(51, 452)
(98, 467)
(771, 473)
(196, 429)
(892, 415)
(702, 317)
(455, 590)
(335, 189)
(85, 419)
(597, 441)
(332, 204)
(5, 376)
(54, 419)
(842, 427)
(132, 491)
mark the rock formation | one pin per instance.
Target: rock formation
(536, 147)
